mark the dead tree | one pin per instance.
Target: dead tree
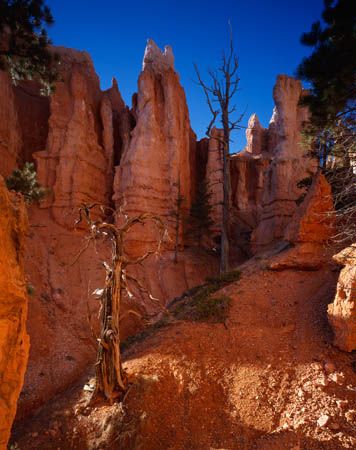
(111, 379)
(221, 90)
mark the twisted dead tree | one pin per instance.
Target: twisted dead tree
(222, 88)
(111, 379)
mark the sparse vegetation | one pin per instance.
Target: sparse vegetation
(196, 304)
(200, 214)
(199, 304)
(25, 181)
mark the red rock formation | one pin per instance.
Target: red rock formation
(311, 227)
(342, 312)
(75, 165)
(89, 133)
(247, 170)
(289, 166)
(14, 340)
(159, 152)
(256, 136)
(10, 132)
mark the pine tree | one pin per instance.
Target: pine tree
(25, 181)
(24, 42)
(176, 213)
(200, 213)
(331, 133)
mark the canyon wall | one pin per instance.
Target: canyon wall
(14, 340)
(90, 147)
(81, 135)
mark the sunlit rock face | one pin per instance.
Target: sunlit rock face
(14, 340)
(256, 136)
(264, 176)
(289, 164)
(82, 148)
(156, 164)
(310, 229)
(342, 312)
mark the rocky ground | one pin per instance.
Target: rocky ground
(268, 378)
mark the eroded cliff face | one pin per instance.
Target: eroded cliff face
(77, 164)
(156, 164)
(289, 164)
(14, 340)
(264, 176)
(81, 135)
(74, 164)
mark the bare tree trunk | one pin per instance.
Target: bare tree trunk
(224, 262)
(111, 379)
(223, 87)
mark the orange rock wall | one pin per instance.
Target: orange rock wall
(80, 137)
(14, 340)
(342, 312)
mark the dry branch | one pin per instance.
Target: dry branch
(111, 379)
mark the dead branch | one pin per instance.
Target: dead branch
(111, 379)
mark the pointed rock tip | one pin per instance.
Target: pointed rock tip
(114, 84)
(253, 121)
(155, 59)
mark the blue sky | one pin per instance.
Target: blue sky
(266, 39)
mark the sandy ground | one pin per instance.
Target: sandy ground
(267, 379)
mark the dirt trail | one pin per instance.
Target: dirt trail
(263, 381)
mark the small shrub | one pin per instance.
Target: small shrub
(14, 446)
(30, 289)
(198, 303)
(25, 181)
(213, 307)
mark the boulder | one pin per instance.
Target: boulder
(342, 312)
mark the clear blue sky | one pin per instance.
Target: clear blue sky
(266, 38)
